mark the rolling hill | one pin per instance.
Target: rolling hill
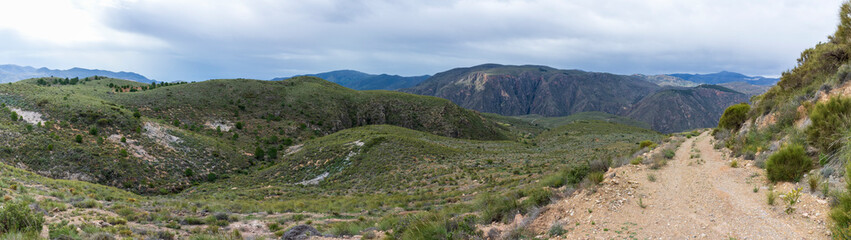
(364, 81)
(161, 139)
(255, 158)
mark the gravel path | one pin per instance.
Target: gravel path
(691, 197)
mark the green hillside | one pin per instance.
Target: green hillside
(207, 159)
(552, 122)
(163, 138)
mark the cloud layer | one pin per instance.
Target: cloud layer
(197, 40)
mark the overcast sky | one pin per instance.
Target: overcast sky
(202, 39)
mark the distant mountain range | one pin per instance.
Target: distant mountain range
(725, 77)
(546, 91)
(14, 73)
(364, 81)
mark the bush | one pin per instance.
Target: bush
(537, 197)
(596, 177)
(495, 208)
(646, 143)
(734, 116)
(788, 164)
(78, 138)
(828, 118)
(636, 161)
(669, 154)
(556, 230)
(553, 181)
(18, 217)
(88, 203)
(272, 153)
(239, 125)
(259, 153)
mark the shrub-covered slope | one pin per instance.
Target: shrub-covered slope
(799, 129)
(162, 138)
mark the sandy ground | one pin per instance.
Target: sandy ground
(691, 197)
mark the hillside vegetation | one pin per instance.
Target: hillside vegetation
(162, 138)
(798, 130)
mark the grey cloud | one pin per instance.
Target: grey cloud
(265, 39)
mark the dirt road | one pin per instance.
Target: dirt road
(697, 195)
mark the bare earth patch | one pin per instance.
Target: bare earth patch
(223, 125)
(133, 146)
(160, 135)
(29, 116)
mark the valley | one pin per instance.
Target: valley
(486, 152)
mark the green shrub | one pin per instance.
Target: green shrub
(537, 197)
(636, 161)
(646, 143)
(495, 208)
(259, 153)
(669, 154)
(78, 138)
(553, 181)
(576, 173)
(788, 164)
(272, 153)
(88, 203)
(828, 119)
(239, 125)
(734, 116)
(93, 131)
(556, 230)
(596, 177)
(18, 217)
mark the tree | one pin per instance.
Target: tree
(123, 153)
(259, 153)
(188, 172)
(137, 114)
(239, 125)
(78, 138)
(123, 139)
(14, 116)
(93, 131)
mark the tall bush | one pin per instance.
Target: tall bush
(828, 120)
(18, 217)
(788, 164)
(734, 116)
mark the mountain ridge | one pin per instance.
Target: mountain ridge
(364, 81)
(533, 89)
(13, 73)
